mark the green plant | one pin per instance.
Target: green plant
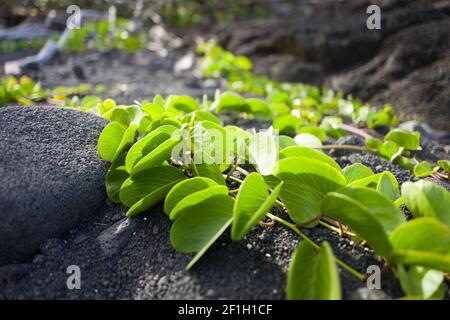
(142, 141)
(297, 109)
(25, 91)
(102, 36)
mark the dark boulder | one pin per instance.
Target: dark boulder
(50, 175)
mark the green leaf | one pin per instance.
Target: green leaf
(153, 110)
(423, 169)
(148, 181)
(263, 152)
(181, 103)
(388, 185)
(230, 101)
(423, 282)
(286, 141)
(299, 151)
(332, 126)
(373, 143)
(207, 168)
(302, 202)
(156, 156)
(147, 144)
(287, 123)
(197, 229)
(406, 163)
(390, 150)
(422, 241)
(191, 200)
(356, 171)
(445, 165)
(426, 199)
(120, 115)
(259, 107)
(367, 212)
(252, 204)
(201, 115)
(313, 276)
(150, 199)
(312, 172)
(307, 140)
(315, 131)
(115, 177)
(183, 189)
(405, 139)
(109, 140)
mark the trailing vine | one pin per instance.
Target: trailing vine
(304, 182)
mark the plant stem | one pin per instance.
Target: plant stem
(233, 168)
(356, 131)
(314, 245)
(233, 178)
(243, 171)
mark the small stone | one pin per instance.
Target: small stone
(155, 229)
(210, 293)
(114, 238)
(249, 246)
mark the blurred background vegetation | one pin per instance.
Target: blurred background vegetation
(174, 13)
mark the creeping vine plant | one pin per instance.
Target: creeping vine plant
(305, 183)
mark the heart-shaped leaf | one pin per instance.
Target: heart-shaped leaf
(259, 108)
(444, 165)
(193, 199)
(405, 139)
(157, 156)
(314, 173)
(197, 229)
(388, 185)
(177, 104)
(423, 169)
(287, 123)
(263, 152)
(109, 140)
(313, 275)
(185, 188)
(230, 101)
(356, 171)
(299, 151)
(147, 144)
(252, 204)
(148, 181)
(426, 199)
